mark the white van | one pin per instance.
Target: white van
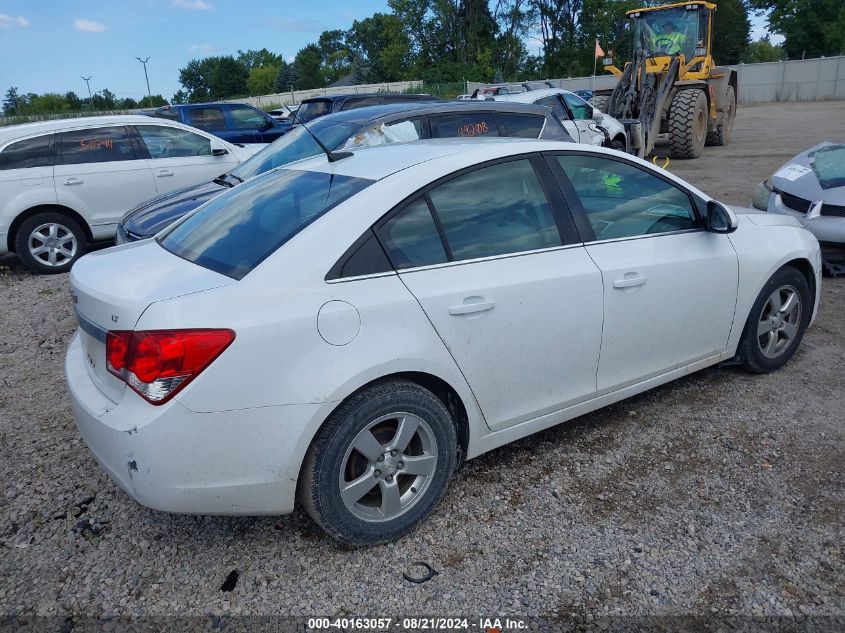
(66, 183)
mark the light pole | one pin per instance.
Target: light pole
(149, 94)
(87, 83)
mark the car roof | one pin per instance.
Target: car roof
(368, 114)
(204, 104)
(352, 95)
(531, 96)
(57, 125)
(376, 163)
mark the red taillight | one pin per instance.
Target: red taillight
(158, 363)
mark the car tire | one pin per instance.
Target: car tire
(777, 322)
(50, 242)
(688, 123)
(619, 145)
(357, 482)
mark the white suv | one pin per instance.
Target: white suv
(67, 183)
(579, 118)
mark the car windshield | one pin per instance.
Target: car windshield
(828, 163)
(295, 145)
(668, 32)
(240, 228)
(313, 109)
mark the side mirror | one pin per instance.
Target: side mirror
(720, 219)
(595, 114)
(218, 149)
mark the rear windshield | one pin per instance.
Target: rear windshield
(295, 145)
(240, 228)
(313, 109)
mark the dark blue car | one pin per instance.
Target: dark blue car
(233, 122)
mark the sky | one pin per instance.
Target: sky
(48, 45)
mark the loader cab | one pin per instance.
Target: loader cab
(674, 30)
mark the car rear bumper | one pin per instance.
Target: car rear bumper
(173, 459)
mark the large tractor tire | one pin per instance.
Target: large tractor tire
(600, 103)
(688, 123)
(722, 134)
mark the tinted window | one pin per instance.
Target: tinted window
(171, 142)
(385, 133)
(312, 110)
(247, 118)
(96, 145)
(553, 103)
(238, 229)
(32, 152)
(411, 237)
(495, 210)
(580, 108)
(360, 102)
(207, 118)
(621, 200)
(294, 145)
(171, 114)
(366, 259)
(521, 125)
(466, 124)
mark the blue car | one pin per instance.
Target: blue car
(233, 122)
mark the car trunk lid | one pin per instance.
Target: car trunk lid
(112, 288)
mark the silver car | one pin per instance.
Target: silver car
(811, 187)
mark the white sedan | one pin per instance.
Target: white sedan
(349, 331)
(67, 183)
(583, 122)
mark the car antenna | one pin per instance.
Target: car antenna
(332, 156)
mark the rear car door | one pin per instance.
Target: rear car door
(556, 105)
(180, 158)
(101, 174)
(670, 286)
(246, 122)
(495, 264)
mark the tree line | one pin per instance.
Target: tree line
(27, 104)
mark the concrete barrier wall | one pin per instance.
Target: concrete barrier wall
(295, 96)
(821, 79)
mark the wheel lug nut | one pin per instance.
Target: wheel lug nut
(394, 452)
(380, 458)
(401, 464)
(389, 478)
(377, 473)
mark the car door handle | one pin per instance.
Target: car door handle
(629, 281)
(469, 308)
(73, 181)
(164, 173)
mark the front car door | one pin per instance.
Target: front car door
(101, 174)
(556, 105)
(248, 122)
(180, 158)
(495, 263)
(670, 286)
(582, 114)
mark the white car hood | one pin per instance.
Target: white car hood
(762, 218)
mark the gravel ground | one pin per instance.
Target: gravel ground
(721, 493)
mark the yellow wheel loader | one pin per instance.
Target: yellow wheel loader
(672, 86)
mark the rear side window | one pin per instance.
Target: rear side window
(172, 142)
(521, 125)
(96, 145)
(237, 230)
(385, 133)
(207, 118)
(247, 118)
(494, 211)
(411, 237)
(359, 102)
(464, 124)
(31, 152)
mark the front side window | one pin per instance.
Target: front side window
(464, 124)
(295, 145)
(247, 119)
(411, 238)
(207, 118)
(621, 200)
(521, 125)
(495, 210)
(31, 152)
(172, 142)
(580, 109)
(553, 103)
(96, 145)
(240, 228)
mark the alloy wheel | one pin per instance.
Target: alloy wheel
(779, 322)
(52, 244)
